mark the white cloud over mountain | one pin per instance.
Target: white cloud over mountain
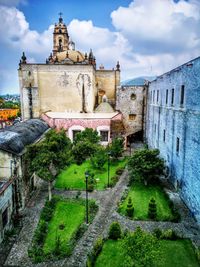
(149, 36)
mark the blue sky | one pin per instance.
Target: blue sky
(148, 37)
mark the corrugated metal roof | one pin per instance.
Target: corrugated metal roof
(14, 138)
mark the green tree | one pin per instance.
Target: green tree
(85, 145)
(116, 148)
(152, 210)
(83, 150)
(99, 158)
(88, 135)
(145, 165)
(130, 208)
(48, 157)
(141, 248)
(115, 231)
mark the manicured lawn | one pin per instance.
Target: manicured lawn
(111, 255)
(70, 213)
(141, 195)
(73, 177)
(177, 253)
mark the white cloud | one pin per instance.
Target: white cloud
(16, 33)
(159, 26)
(150, 36)
(108, 47)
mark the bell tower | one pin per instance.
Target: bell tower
(60, 37)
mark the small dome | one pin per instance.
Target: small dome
(104, 107)
(70, 54)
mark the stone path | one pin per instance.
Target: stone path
(107, 201)
(19, 255)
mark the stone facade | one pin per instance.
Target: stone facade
(68, 82)
(173, 126)
(131, 103)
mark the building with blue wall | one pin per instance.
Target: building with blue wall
(173, 126)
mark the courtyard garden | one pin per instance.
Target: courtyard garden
(73, 177)
(146, 199)
(139, 248)
(62, 223)
(173, 254)
(140, 195)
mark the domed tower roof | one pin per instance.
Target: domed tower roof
(70, 56)
(64, 49)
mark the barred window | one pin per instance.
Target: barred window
(104, 136)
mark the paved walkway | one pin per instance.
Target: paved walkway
(107, 201)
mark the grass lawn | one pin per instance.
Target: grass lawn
(111, 255)
(70, 213)
(177, 253)
(141, 195)
(73, 177)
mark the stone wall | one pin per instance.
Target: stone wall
(57, 88)
(108, 80)
(131, 102)
(173, 126)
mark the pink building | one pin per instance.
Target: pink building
(106, 124)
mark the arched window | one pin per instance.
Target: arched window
(133, 96)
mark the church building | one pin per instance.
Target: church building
(68, 91)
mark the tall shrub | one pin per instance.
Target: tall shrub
(152, 211)
(130, 208)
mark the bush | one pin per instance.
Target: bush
(114, 180)
(95, 252)
(141, 248)
(169, 234)
(91, 182)
(152, 211)
(80, 231)
(119, 171)
(115, 231)
(48, 210)
(98, 247)
(197, 252)
(116, 148)
(158, 233)
(41, 232)
(129, 208)
(99, 158)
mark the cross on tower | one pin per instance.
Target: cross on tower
(60, 19)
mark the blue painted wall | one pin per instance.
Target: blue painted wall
(178, 121)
